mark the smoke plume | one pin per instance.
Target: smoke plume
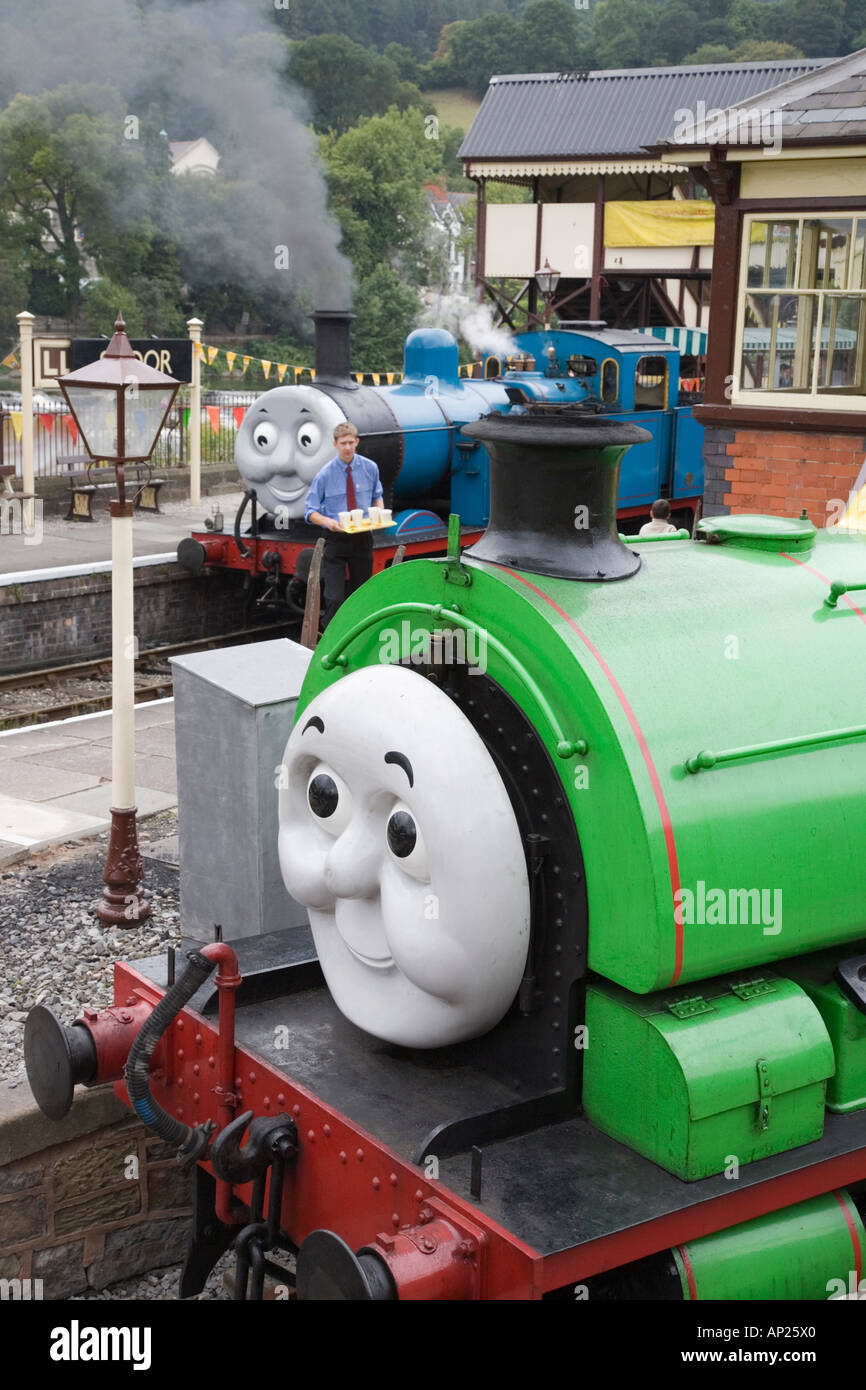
(210, 69)
(470, 321)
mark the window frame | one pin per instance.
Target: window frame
(827, 400)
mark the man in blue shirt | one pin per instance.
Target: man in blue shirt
(347, 482)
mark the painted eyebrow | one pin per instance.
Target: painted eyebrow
(314, 723)
(402, 761)
(303, 410)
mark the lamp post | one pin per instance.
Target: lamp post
(120, 405)
(547, 280)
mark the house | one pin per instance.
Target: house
(193, 156)
(630, 233)
(785, 397)
(448, 224)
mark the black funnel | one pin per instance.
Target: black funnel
(553, 494)
(333, 352)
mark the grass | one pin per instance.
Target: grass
(455, 106)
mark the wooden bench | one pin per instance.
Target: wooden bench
(87, 479)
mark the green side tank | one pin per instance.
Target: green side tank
(706, 716)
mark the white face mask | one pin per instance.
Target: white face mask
(418, 893)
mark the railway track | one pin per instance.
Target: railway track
(149, 685)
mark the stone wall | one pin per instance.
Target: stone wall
(780, 472)
(50, 622)
(89, 1200)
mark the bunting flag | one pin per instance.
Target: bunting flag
(72, 426)
(266, 367)
(11, 360)
(199, 352)
(282, 368)
(239, 412)
(186, 418)
(230, 358)
(247, 361)
(212, 355)
(213, 414)
(17, 418)
(47, 422)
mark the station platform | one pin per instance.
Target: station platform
(60, 544)
(55, 779)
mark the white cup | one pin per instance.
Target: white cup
(357, 515)
(344, 519)
(375, 516)
(385, 515)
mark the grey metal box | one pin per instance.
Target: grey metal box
(234, 710)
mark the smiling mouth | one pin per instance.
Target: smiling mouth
(375, 963)
(289, 496)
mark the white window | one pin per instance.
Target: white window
(801, 327)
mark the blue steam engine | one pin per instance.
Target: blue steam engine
(429, 466)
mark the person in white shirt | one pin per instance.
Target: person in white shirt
(660, 524)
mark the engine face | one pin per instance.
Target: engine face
(285, 438)
(421, 924)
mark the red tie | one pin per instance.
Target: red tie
(351, 499)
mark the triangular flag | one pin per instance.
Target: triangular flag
(199, 352)
(312, 372)
(246, 363)
(230, 358)
(359, 377)
(47, 422)
(390, 376)
(213, 414)
(17, 418)
(11, 360)
(212, 355)
(186, 418)
(281, 371)
(266, 368)
(70, 423)
(239, 412)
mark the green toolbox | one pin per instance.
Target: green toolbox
(845, 1022)
(703, 1078)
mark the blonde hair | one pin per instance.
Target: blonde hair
(346, 428)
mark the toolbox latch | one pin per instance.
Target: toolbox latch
(764, 1093)
(690, 1008)
(753, 989)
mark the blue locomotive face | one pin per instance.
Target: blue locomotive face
(285, 438)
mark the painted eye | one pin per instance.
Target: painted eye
(329, 799)
(309, 437)
(406, 842)
(265, 436)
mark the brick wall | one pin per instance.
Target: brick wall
(50, 622)
(107, 1202)
(780, 472)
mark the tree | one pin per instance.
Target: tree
(549, 35)
(677, 30)
(375, 173)
(624, 32)
(798, 24)
(345, 81)
(764, 51)
(72, 185)
(709, 53)
(387, 309)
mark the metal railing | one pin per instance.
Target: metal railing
(55, 436)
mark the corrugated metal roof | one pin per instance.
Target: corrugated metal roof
(609, 113)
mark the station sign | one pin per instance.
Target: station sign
(170, 355)
(54, 357)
